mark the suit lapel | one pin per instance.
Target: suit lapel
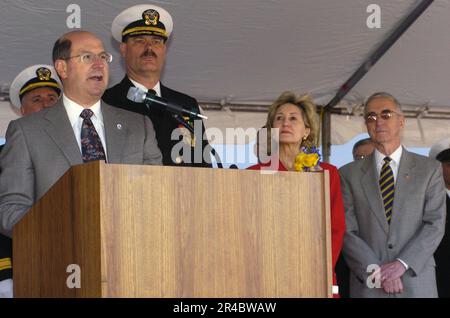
(125, 84)
(369, 183)
(404, 185)
(164, 90)
(61, 132)
(115, 133)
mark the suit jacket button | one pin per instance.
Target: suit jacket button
(391, 246)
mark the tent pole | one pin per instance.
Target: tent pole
(363, 69)
(379, 52)
(326, 134)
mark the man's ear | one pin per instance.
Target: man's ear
(61, 69)
(22, 110)
(123, 49)
(402, 122)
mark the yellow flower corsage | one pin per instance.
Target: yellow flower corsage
(307, 159)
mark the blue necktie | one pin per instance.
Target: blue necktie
(91, 145)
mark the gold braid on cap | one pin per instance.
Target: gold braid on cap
(143, 29)
(36, 85)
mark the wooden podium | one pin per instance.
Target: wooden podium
(147, 231)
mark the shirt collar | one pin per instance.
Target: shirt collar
(157, 87)
(395, 156)
(448, 192)
(74, 110)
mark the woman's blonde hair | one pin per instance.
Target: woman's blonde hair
(308, 111)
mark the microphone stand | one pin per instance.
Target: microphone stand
(191, 130)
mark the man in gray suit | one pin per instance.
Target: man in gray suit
(41, 147)
(395, 211)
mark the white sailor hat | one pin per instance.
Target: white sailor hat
(143, 19)
(33, 77)
(441, 150)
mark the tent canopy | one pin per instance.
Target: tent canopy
(237, 52)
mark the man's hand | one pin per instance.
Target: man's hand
(392, 271)
(393, 286)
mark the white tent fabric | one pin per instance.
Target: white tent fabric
(249, 51)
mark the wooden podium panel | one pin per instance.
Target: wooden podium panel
(146, 231)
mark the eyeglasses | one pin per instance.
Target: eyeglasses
(385, 115)
(89, 58)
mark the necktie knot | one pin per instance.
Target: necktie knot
(152, 92)
(86, 114)
(387, 160)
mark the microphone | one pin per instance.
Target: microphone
(139, 96)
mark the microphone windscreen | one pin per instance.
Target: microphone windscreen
(136, 95)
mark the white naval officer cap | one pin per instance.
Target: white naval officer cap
(441, 150)
(33, 77)
(142, 19)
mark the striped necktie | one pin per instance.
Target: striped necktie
(91, 145)
(387, 187)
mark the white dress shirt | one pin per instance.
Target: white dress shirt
(448, 192)
(394, 164)
(157, 87)
(74, 111)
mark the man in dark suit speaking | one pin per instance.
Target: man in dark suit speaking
(143, 31)
(42, 146)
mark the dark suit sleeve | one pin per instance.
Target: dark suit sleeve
(202, 148)
(206, 147)
(5, 258)
(442, 257)
(421, 247)
(16, 179)
(205, 151)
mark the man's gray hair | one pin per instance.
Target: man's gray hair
(383, 95)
